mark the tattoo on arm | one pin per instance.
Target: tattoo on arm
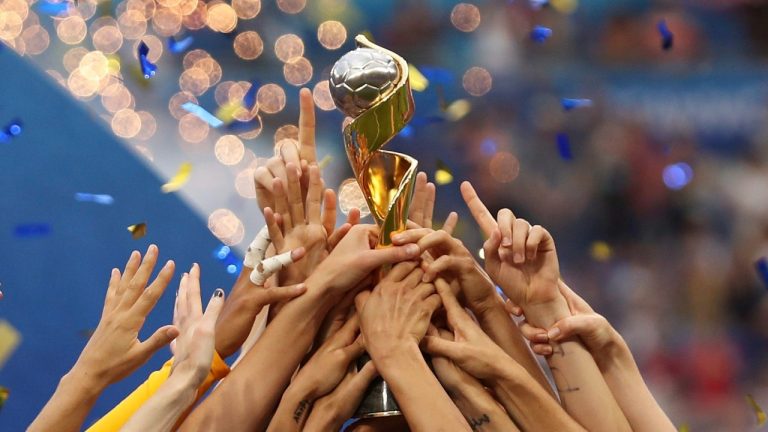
(301, 410)
(567, 388)
(477, 423)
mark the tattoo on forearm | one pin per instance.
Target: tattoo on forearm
(568, 388)
(477, 423)
(301, 410)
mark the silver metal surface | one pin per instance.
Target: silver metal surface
(360, 78)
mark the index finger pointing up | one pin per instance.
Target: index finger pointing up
(307, 147)
(481, 214)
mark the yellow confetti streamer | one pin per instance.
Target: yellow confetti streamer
(443, 175)
(10, 338)
(458, 109)
(600, 251)
(759, 413)
(418, 81)
(138, 230)
(178, 180)
(4, 393)
(684, 428)
(325, 161)
(226, 112)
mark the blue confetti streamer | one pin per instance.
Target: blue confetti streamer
(564, 147)
(11, 131)
(761, 266)
(201, 113)
(249, 100)
(32, 230)
(667, 38)
(539, 34)
(179, 46)
(147, 68)
(103, 199)
(231, 263)
(569, 104)
(50, 8)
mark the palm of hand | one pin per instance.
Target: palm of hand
(314, 239)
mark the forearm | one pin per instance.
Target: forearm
(580, 384)
(292, 412)
(265, 371)
(161, 412)
(628, 387)
(499, 326)
(421, 398)
(70, 404)
(480, 409)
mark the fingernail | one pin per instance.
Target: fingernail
(553, 332)
(506, 241)
(412, 249)
(519, 258)
(218, 293)
(398, 238)
(299, 288)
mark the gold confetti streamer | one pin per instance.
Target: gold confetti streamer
(600, 251)
(138, 230)
(10, 338)
(418, 81)
(443, 175)
(458, 109)
(684, 428)
(759, 413)
(4, 393)
(178, 180)
(325, 161)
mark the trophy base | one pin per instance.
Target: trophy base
(378, 400)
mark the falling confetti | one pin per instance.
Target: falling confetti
(418, 81)
(350, 196)
(684, 428)
(32, 230)
(179, 46)
(202, 114)
(10, 338)
(540, 34)
(52, 9)
(569, 104)
(443, 174)
(667, 38)
(179, 179)
(4, 393)
(600, 251)
(458, 109)
(324, 161)
(761, 265)
(12, 130)
(147, 68)
(138, 230)
(249, 100)
(759, 413)
(564, 146)
(231, 263)
(95, 198)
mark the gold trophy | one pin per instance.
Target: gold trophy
(370, 85)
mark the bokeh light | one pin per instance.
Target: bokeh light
(72, 57)
(94, 65)
(148, 125)
(132, 24)
(194, 80)
(246, 9)
(288, 47)
(71, 30)
(167, 21)
(221, 17)
(198, 18)
(107, 39)
(288, 131)
(81, 86)
(229, 150)
(244, 184)
(321, 94)
(177, 100)
(248, 45)
(297, 71)
(285, 142)
(155, 46)
(676, 176)
(477, 81)
(226, 226)
(504, 167)
(350, 196)
(271, 98)
(11, 24)
(291, 6)
(465, 17)
(331, 34)
(36, 39)
(192, 129)
(126, 123)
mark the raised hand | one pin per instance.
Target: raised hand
(114, 350)
(423, 205)
(520, 258)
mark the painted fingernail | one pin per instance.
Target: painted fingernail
(553, 333)
(218, 293)
(519, 258)
(412, 249)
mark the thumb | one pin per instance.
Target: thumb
(376, 258)
(491, 247)
(437, 346)
(281, 294)
(360, 300)
(162, 337)
(575, 325)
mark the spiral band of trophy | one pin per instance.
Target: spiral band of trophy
(370, 84)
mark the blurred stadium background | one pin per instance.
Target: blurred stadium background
(657, 193)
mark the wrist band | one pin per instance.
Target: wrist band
(257, 249)
(270, 266)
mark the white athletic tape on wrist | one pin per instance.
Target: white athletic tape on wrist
(270, 266)
(257, 249)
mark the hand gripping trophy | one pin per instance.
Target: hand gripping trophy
(370, 84)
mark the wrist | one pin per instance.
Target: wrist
(90, 381)
(615, 354)
(393, 356)
(545, 315)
